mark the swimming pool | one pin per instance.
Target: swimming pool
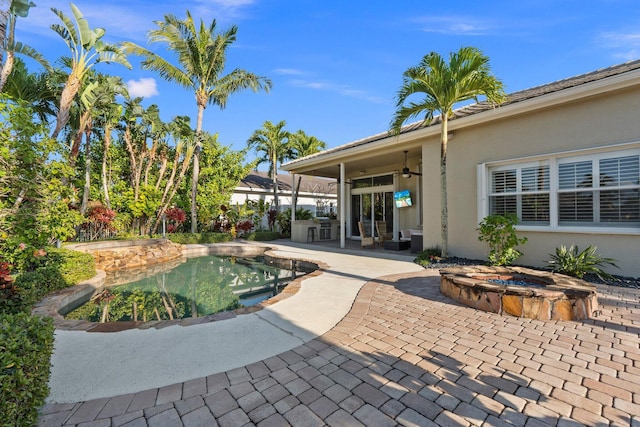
(192, 287)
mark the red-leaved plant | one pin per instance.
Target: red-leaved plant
(176, 217)
(243, 227)
(7, 287)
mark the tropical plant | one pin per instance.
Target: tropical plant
(33, 201)
(273, 142)
(108, 117)
(283, 219)
(500, 233)
(19, 8)
(86, 50)
(201, 56)
(429, 256)
(36, 89)
(303, 145)
(221, 171)
(443, 84)
(573, 262)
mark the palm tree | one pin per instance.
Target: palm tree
(303, 145)
(86, 50)
(38, 90)
(108, 117)
(5, 6)
(201, 57)
(273, 142)
(98, 96)
(466, 76)
(19, 8)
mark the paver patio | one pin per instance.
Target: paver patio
(406, 355)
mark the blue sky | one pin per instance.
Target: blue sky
(336, 65)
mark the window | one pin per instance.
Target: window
(521, 190)
(598, 190)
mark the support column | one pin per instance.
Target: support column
(343, 222)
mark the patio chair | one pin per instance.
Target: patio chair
(365, 240)
(383, 234)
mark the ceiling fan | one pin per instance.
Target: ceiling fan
(406, 173)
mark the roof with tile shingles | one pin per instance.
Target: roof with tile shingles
(512, 98)
(311, 184)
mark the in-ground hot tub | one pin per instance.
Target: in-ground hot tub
(520, 292)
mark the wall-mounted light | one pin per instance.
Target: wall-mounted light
(362, 172)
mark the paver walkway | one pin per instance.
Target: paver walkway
(406, 355)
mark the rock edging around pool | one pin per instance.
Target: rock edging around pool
(558, 297)
(65, 300)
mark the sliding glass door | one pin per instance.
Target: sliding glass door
(369, 207)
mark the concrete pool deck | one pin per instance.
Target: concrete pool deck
(138, 359)
(400, 353)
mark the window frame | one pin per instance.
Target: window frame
(595, 155)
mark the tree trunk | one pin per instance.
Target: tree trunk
(8, 34)
(68, 93)
(7, 67)
(5, 6)
(274, 162)
(105, 183)
(295, 197)
(171, 188)
(444, 223)
(87, 172)
(196, 164)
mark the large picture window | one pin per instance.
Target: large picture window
(596, 190)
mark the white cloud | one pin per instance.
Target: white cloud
(289, 71)
(344, 90)
(454, 25)
(145, 87)
(626, 46)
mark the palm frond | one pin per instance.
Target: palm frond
(68, 31)
(27, 50)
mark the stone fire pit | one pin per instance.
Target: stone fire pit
(520, 292)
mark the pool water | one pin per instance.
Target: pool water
(197, 287)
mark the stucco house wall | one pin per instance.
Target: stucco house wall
(600, 122)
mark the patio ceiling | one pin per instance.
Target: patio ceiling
(384, 155)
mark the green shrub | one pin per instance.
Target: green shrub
(262, 236)
(500, 233)
(187, 238)
(574, 263)
(73, 266)
(53, 270)
(428, 256)
(26, 343)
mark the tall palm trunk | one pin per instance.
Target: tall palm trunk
(295, 197)
(6, 68)
(274, 162)
(68, 93)
(5, 6)
(87, 171)
(201, 99)
(105, 182)
(7, 33)
(444, 223)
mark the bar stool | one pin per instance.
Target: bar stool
(311, 234)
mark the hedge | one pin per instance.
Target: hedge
(26, 344)
(190, 238)
(58, 269)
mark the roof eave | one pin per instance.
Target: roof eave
(597, 87)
